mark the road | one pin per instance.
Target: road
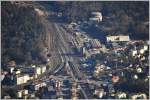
(58, 38)
(64, 38)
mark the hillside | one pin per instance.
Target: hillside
(23, 34)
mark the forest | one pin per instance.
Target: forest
(23, 35)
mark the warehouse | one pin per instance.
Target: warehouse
(118, 38)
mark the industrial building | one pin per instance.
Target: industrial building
(95, 43)
(118, 38)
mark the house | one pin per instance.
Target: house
(21, 78)
(18, 71)
(99, 68)
(145, 47)
(95, 17)
(134, 52)
(39, 12)
(135, 77)
(142, 58)
(22, 93)
(99, 92)
(121, 95)
(11, 69)
(7, 97)
(115, 79)
(15, 70)
(59, 14)
(72, 25)
(50, 88)
(32, 96)
(43, 69)
(48, 60)
(79, 41)
(139, 70)
(2, 76)
(118, 38)
(32, 70)
(38, 70)
(37, 85)
(142, 48)
(138, 96)
(141, 51)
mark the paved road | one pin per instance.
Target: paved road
(63, 47)
(73, 66)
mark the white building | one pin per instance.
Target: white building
(135, 77)
(26, 78)
(101, 93)
(39, 12)
(38, 85)
(21, 79)
(38, 70)
(7, 97)
(140, 95)
(43, 69)
(143, 49)
(18, 72)
(139, 70)
(33, 66)
(48, 60)
(19, 94)
(134, 52)
(2, 76)
(118, 38)
(96, 17)
(22, 93)
(121, 95)
(11, 69)
(32, 95)
(99, 68)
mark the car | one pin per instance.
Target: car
(85, 65)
